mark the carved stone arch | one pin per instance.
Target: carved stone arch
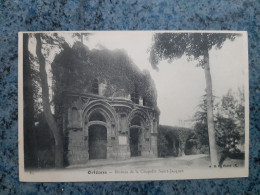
(182, 136)
(102, 106)
(106, 110)
(141, 114)
(100, 127)
(139, 133)
(100, 111)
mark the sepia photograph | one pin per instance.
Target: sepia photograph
(133, 105)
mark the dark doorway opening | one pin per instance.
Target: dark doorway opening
(97, 142)
(172, 145)
(168, 144)
(191, 145)
(135, 147)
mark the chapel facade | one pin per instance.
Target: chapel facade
(97, 126)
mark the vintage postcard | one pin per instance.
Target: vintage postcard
(133, 105)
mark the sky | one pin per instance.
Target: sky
(179, 84)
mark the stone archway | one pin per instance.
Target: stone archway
(172, 146)
(135, 142)
(135, 136)
(191, 145)
(99, 126)
(169, 145)
(137, 131)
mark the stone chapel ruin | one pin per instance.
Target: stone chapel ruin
(113, 118)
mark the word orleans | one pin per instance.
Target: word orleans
(93, 172)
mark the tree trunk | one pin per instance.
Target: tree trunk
(46, 105)
(30, 146)
(209, 97)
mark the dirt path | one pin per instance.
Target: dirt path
(189, 161)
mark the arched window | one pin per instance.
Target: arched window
(97, 117)
(74, 116)
(95, 86)
(135, 95)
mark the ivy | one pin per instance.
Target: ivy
(74, 68)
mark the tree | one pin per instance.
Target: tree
(196, 46)
(37, 92)
(201, 126)
(230, 125)
(45, 93)
(229, 121)
(30, 154)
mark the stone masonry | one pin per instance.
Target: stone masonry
(98, 127)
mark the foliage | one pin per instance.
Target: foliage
(191, 145)
(201, 125)
(57, 134)
(163, 146)
(50, 42)
(229, 122)
(194, 45)
(171, 139)
(168, 143)
(45, 143)
(46, 44)
(75, 68)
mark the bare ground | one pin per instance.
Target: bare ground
(189, 161)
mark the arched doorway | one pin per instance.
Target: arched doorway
(168, 144)
(172, 145)
(100, 125)
(135, 146)
(135, 137)
(191, 145)
(97, 142)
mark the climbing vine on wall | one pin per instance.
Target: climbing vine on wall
(74, 68)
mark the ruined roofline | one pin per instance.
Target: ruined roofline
(115, 102)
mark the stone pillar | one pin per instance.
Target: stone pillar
(154, 126)
(123, 124)
(77, 151)
(123, 145)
